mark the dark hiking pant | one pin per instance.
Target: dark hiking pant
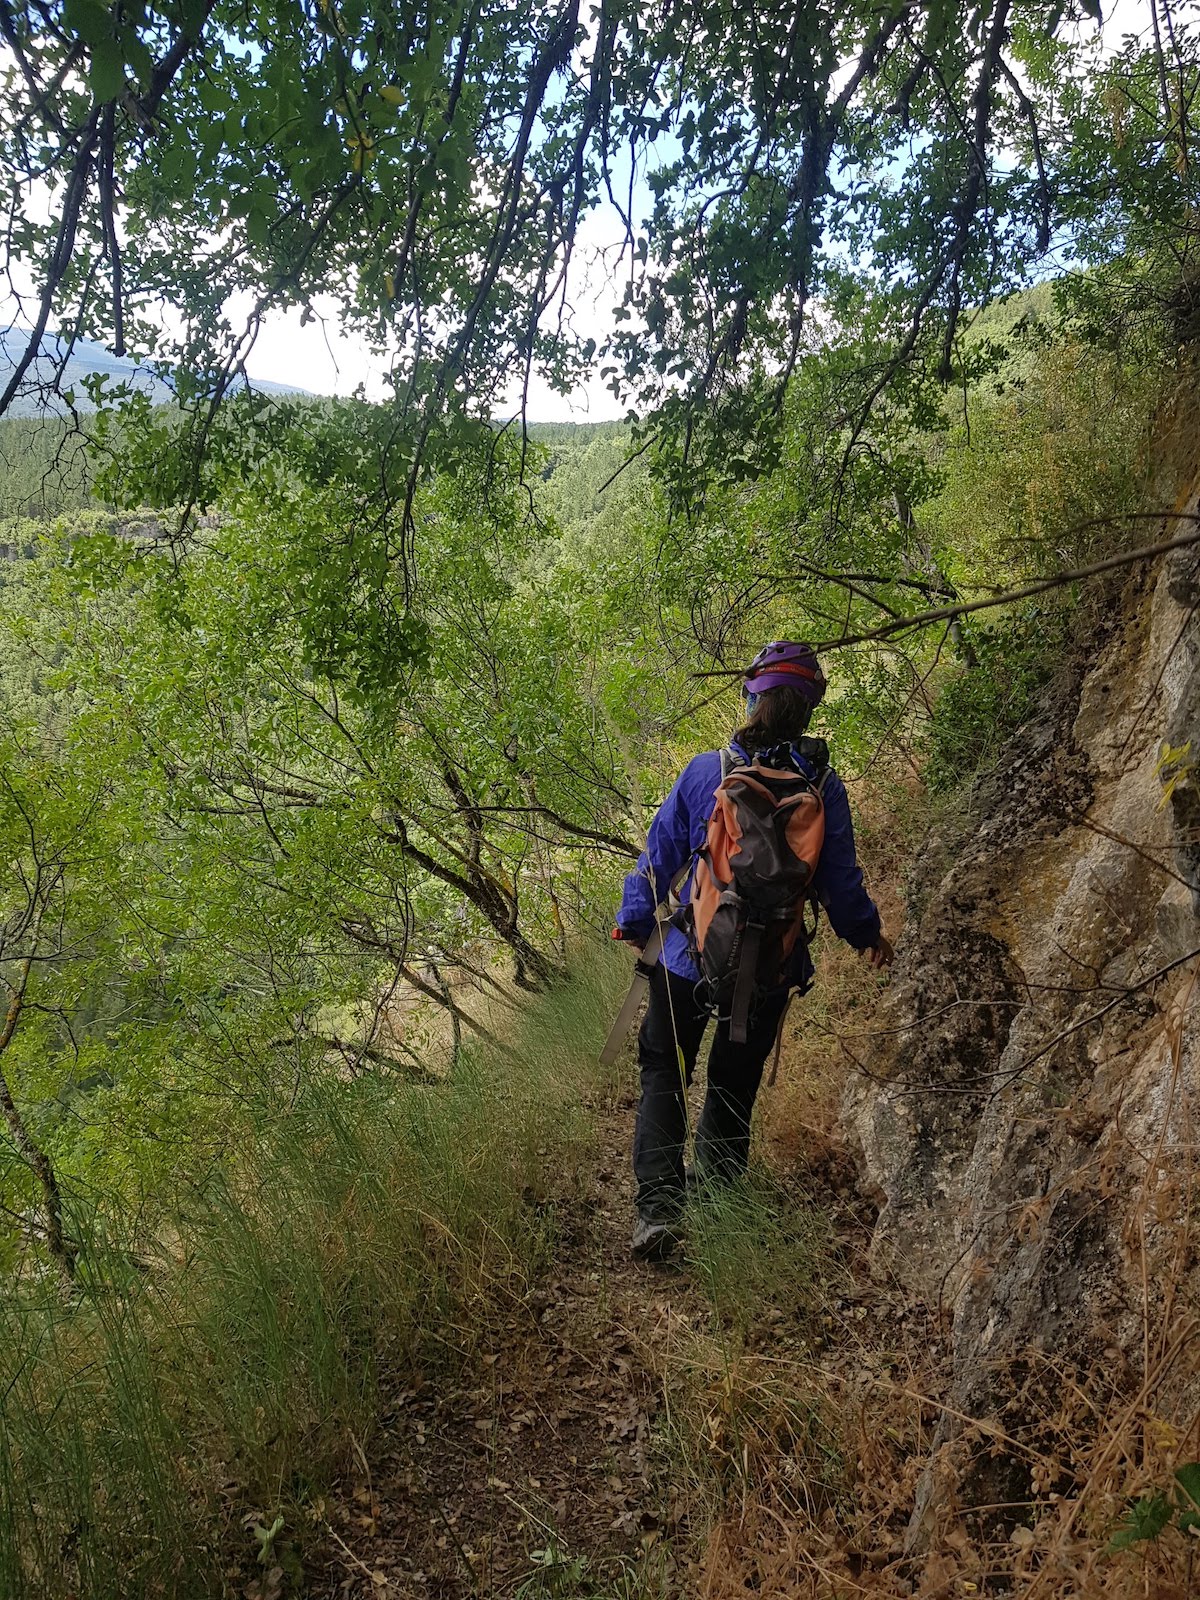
(673, 1017)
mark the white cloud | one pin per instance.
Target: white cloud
(316, 355)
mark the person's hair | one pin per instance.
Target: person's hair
(780, 716)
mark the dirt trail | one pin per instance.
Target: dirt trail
(548, 1469)
(536, 1478)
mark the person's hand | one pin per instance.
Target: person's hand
(636, 945)
(880, 955)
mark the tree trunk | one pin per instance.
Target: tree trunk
(60, 1247)
(448, 1002)
(533, 971)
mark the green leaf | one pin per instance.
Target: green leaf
(139, 59)
(1188, 1479)
(106, 75)
(266, 1538)
(257, 227)
(90, 20)
(1145, 1519)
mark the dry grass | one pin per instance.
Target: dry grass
(821, 1429)
(787, 1536)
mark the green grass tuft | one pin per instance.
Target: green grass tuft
(755, 1247)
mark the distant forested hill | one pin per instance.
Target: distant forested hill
(584, 465)
(44, 469)
(86, 360)
(45, 472)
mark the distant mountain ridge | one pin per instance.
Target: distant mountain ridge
(86, 359)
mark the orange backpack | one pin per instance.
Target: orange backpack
(753, 881)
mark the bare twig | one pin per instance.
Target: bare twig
(922, 619)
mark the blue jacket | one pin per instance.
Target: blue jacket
(678, 831)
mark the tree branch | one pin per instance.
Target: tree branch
(922, 619)
(60, 1247)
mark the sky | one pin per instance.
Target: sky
(323, 359)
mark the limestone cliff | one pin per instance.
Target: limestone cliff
(1029, 1119)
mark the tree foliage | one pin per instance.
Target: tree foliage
(428, 170)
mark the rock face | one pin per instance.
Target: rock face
(1029, 1111)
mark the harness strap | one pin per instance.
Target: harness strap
(673, 902)
(627, 1015)
(743, 991)
(787, 1006)
(651, 951)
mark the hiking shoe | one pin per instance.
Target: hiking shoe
(653, 1241)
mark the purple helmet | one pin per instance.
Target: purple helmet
(790, 664)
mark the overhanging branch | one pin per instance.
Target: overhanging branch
(923, 619)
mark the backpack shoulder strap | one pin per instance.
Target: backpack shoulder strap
(815, 751)
(727, 760)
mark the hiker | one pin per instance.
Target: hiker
(783, 686)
